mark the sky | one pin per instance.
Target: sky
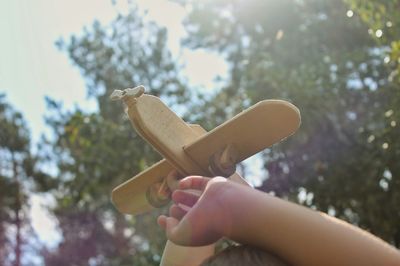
(31, 67)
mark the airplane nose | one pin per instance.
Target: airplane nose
(133, 92)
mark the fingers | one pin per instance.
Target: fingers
(178, 232)
(172, 180)
(162, 221)
(194, 182)
(185, 197)
(177, 212)
(173, 230)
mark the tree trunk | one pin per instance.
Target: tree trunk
(17, 212)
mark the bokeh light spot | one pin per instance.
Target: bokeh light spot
(385, 145)
(371, 138)
(349, 13)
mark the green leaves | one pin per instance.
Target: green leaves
(328, 61)
(14, 135)
(333, 64)
(95, 152)
(18, 176)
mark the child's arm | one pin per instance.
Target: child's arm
(297, 234)
(175, 255)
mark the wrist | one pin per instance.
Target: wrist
(246, 211)
(228, 198)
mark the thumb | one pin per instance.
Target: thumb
(171, 224)
(178, 231)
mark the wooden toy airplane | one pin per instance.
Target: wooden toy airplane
(191, 150)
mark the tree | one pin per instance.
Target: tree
(318, 55)
(382, 17)
(18, 176)
(94, 152)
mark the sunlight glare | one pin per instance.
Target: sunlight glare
(44, 224)
(349, 13)
(385, 145)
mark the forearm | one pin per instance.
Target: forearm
(300, 235)
(175, 255)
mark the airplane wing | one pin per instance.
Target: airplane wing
(188, 148)
(130, 196)
(250, 132)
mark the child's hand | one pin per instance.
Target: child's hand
(207, 219)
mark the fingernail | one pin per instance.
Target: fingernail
(184, 207)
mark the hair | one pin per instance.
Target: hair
(243, 255)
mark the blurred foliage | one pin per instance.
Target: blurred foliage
(18, 176)
(95, 152)
(338, 61)
(383, 19)
(321, 56)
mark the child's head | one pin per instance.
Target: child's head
(243, 255)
